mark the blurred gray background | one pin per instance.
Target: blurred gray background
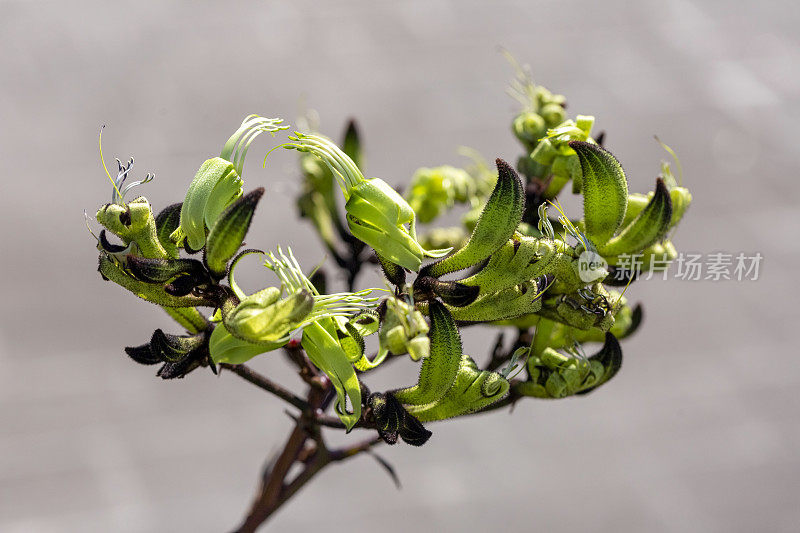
(699, 431)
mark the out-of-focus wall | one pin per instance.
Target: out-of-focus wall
(698, 432)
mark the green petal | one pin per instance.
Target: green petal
(193, 211)
(319, 342)
(225, 348)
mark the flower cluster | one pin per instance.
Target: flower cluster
(554, 279)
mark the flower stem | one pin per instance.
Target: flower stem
(265, 383)
(304, 446)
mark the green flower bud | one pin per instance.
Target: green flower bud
(554, 114)
(529, 127)
(555, 375)
(404, 330)
(539, 106)
(605, 191)
(452, 237)
(497, 223)
(433, 190)
(555, 151)
(229, 231)
(649, 226)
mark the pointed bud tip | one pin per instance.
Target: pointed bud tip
(503, 166)
(255, 195)
(579, 146)
(662, 191)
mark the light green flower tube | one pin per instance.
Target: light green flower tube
(376, 213)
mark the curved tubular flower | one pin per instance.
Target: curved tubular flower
(440, 368)
(144, 236)
(268, 317)
(521, 259)
(626, 322)
(227, 235)
(474, 389)
(605, 191)
(680, 196)
(265, 317)
(218, 183)
(180, 354)
(497, 223)
(112, 269)
(622, 226)
(649, 226)
(516, 300)
(376, 213)
(660, 253)
(450, 383)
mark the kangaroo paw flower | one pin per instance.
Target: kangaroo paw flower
(376, 214)
(218, 183)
